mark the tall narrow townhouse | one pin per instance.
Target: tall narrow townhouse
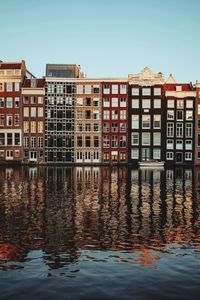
(197, 125)
(11, 78)
(115, 121)
(146, 116)
(180, 125)
(87, 122)
(33, 100)
(59, 112)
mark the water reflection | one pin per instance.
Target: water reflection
(69, 215)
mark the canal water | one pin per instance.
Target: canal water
(99, 233)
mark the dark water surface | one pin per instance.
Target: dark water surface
(99, 233)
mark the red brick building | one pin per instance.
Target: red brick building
(11, 78)
(115, 121)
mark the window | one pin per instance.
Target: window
(106, 89)
(1, 153)
(16, 102)
(157, 121)
(26, 127)
(106, 102)
(17, 86)
(188, 129)
(157, 103)
(88, 89)
(134, 138)
(80, 127)
(145, 138)
(114, 143)
(79, 141)
(79, 155)
(96, 127)
(88, 127)
(96, 141)
(114, 114)
(17, 139)
(9, 102)
(33, 127)
(9, 86)
(170, 103)
(96, 89)
(180, 104)
(188, 145)
(114, 102)
(169, 155)
(40, 100)
(2, 139)
(122, 141)
(179, 129)
(79, 115)
(106, 127)
(25, 100)
(179, 115)
(2, 120)
(198, 109)
(156, 153)
(189, 104)
(189, 115)
(79, 89)
(135, 103)
(122, 114)
(106, 156)
(87, 141)
(9, 139)
(114, 89)
(26, 111)
(96, 102)
(106, 141)
(157, 91)
(122, 127)
(170, 129)
(1, 102)
(79, 101)
(122, 102)
(134, 153)
(198, 140)
(170, 144)
(40, 112)
(156, 138)
(1, 86)
(33, 142)
(146, 121)
(96, 155)
(146, 91)
(135, 91)
(146, 103)
(114, 127)
(87, 114)
(96, 115)
(188, 155)
(87, 155)
(33, 112)
(178, 88)
(9, 121)
(40, 127)
(179, 144)
(33, 100)
(135, 122)
(170, 115)
(122, 88)
(26, 142)
(40, 142)
(106, 114)
(88, 102)
(16, 120)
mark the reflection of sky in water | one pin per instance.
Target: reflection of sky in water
(83, 222)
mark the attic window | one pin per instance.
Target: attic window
(33, 82)
(178, 88)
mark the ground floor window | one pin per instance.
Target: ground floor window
(106, 156)
(170, 156)
(33, 155)
(188, 155)
(156, 153)
(134, 153)
(9, 154)
(122, 156)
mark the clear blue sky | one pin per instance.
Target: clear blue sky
(106, 37)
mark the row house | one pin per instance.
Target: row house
(180, 124)
(115, 121)
(59, 120)
(146, 117)
(11, 78)
(87, 122)
(197, 125)
(33, 96)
